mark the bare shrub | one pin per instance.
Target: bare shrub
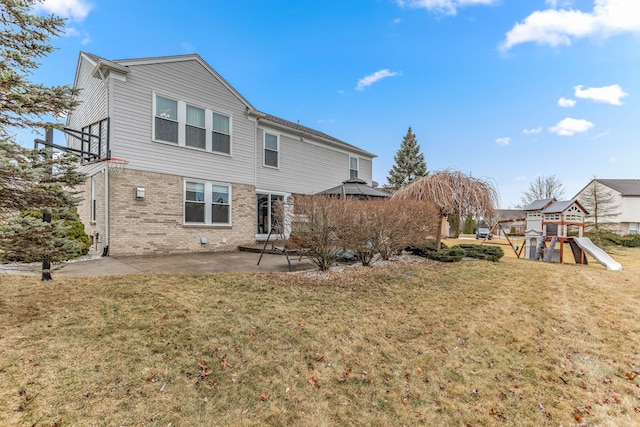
(385, 227)
(402, 223)
(317, 226)
(358, 231)
(326, 227)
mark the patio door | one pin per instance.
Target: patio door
(266, 209)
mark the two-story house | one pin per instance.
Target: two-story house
(619, 201)
(203, 168)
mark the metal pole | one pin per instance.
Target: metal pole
(46, 216)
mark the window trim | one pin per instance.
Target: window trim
(208, 202)
(357, 169)
(212, 130)
(155, 116)
(182, 125)
(264, 149)
(187, 124)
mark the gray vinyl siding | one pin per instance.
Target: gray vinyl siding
(92, 99)
(365, 169)
(189, 81)
(305, 167)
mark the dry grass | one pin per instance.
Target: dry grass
(469, 344)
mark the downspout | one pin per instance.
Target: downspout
(105, 248)
(255, 175)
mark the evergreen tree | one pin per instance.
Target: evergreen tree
(409, 163)
(32, 180)
(469, 225)
(24, 37)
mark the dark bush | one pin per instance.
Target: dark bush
(446, 255)
(630, 240)
(428, 246)
(488, 253)
(605, 239)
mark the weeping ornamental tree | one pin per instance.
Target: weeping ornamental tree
(452, 192)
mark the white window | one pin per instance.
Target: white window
(195, 132)
(220, 206)
(166, 120)
(271, 150)
(633, 228)
(353, 167)
(221, 134)
(186, 125)
(207, 203)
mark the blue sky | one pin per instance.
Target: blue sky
(502, 89)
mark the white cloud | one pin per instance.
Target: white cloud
(557, 27)
(609, 94)
(533, 131)
(321, 121)
(396, 21)
(566, 103)
(447, 7)
(569, 127)
(373, 78)
(74, 9)
(503, 141)
(71, 32)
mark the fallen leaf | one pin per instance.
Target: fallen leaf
(265, 396)
(313, 382)
(420, 370)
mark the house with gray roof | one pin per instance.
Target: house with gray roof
(178, 161)
(625, 202)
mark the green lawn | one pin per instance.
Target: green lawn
(467, 344)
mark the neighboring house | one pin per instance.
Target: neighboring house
(509, 221)
(626, 195)
(204, 168)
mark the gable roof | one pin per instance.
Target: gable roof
(122, 65)
(626, 187)
(537, 205)
(561, 206)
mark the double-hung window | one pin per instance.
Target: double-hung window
(166, 119)
(220, 208)
(195, 132)
(186, 125)
(194, 204)
(221, 134)
(353, 167)
(207, 203)
(271, 150)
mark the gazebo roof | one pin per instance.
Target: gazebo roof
(356, 187)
